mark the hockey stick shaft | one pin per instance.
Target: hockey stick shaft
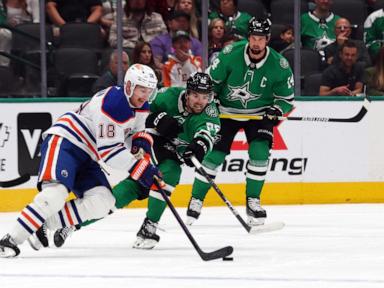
(15, 182)
(220, 253)
(360, 115)
(202, 171)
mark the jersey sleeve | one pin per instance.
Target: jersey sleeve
(372, 34)
(283, 88)
(218, 70)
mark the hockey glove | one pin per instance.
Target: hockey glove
(141, 144)
(198, 148)
(165, 125)
(143, 172)
(272, 114)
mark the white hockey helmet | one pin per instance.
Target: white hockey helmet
(139, 74)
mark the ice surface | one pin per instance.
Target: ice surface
(321, 246)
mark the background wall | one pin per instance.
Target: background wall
(311, 162)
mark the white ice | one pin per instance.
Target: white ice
(321, 246)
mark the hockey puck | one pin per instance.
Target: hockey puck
(227, 258)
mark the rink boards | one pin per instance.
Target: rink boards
(312, 162)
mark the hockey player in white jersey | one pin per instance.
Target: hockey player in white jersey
(72, 152)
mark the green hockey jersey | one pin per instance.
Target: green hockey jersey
(205, 125)
(243, 87)
(238, 23)
(374, 32)
(317, 33)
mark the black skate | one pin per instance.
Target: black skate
(256, 214)
(194, 210)
(8, 247)
(62, 234)
(147, 237)
(40, 238)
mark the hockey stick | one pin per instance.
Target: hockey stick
(220, 253)
(250, 229)
(360, 115)
(14, 182)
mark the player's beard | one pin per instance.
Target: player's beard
(256, 51)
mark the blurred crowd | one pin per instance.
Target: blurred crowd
(341, 42)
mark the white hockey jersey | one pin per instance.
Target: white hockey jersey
(102, 127)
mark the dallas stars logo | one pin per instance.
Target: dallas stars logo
(242, 94)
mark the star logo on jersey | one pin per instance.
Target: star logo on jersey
(242, 94)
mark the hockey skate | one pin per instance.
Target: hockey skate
(62, 234)
(256, 214)
(8, 247)
(194, 210)
(40, 238)
(147, 237)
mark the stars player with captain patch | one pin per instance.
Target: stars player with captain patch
(249, 78)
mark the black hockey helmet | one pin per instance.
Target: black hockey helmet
(261, 27)
(200, 82)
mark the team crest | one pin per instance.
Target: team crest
(242, 94)
(211, 111)
(284, 63)
(227, 49)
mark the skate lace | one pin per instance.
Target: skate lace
(254, 204)
(195, 205)
(150, 227)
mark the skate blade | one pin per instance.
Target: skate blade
(35, 243)
(6, 252)
(190, 220)
(144, 244)
(268, 227)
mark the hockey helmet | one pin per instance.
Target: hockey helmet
(261, 27)
(139, 74)
(201, 83)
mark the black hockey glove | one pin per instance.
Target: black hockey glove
(198, 148)
(166, 125)
(272, 115)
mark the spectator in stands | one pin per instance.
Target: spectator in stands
(164, 7)
(142, 54)
(109, 78)
(343, 32)
(189, 7)
(14, 12)
(63, 11)
(216, 32)
(140, 23)
(318, 26)
(346, 77)
(229, 38)
(235, 21)
(109, 13)
(162, 44)
(374, 32)
(181, 64)
(285, 40)
(374, 76)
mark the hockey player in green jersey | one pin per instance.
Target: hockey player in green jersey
(249, 78)
(186, 123)
(183, 123)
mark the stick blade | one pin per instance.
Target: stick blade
(220, 253)
(268, 227)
